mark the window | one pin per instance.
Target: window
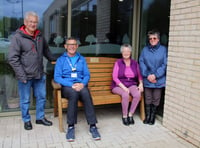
(102, 26)
(11, 18)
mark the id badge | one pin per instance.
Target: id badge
(73, 69)
(74, 75)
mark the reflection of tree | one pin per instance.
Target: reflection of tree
(15, 2)
(58, 40)
(8, 25)
(11, 24)
(90, 38)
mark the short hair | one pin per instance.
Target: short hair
(71, 38)
(30, 13)
(126, 46)
(154, 32)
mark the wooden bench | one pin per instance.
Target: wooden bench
(99, 85)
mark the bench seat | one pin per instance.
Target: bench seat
(99, 85)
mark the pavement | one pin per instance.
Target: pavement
(113, 133)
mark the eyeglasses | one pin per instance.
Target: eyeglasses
(153, 38)
(32, 22)
(71, 44)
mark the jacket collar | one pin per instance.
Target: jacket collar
(22, 29)
(154, 47)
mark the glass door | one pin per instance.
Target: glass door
(155, 15)
(11, 18)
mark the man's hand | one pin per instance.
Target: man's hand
(77, 86)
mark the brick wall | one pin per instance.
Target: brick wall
(182, 98)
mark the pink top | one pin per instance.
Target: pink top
(128, 73)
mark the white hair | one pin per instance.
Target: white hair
(126, 46)
(30, 13)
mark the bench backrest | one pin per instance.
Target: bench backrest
(101, 74)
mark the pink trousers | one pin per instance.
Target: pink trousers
(134, 92)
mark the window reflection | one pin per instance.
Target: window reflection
(151, 18)
(55, 23)
(11, 18)
(102, 26)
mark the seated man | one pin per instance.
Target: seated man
(71, 71)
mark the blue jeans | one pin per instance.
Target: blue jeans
(39, 90)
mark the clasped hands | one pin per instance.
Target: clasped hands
(152, 78)
(77, 86)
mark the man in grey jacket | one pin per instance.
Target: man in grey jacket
(26, 52)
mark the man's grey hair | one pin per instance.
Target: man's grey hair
(30, 13)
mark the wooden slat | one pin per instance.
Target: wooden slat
(101, 93)
(100, 88)
(100, 79)
(104, 74)
(98, 100)
(109, 70)
(100, 59)
(98, 83)
(97, 66)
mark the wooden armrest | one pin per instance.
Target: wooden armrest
(55, 85)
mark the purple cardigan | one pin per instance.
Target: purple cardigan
(121, 73)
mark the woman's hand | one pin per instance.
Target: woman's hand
(140, 87)
(124, 87)
(152, 78)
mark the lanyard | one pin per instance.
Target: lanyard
(70, 64)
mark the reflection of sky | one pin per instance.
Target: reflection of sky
(13, 8)
(90, 6)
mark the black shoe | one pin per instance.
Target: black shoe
(131, 120)
(28, 125)
(125, 121)
(44, 121)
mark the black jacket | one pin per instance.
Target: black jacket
(26, 55)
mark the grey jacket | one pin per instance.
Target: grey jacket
(26, 55)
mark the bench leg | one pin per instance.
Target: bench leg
(55, 96)
(60, 118)
(142, 110)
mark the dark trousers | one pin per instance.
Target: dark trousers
(73, 97)
(152, 95)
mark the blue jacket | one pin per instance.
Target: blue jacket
(63, 71)
(153, 60)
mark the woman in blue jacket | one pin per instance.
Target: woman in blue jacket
(153, 64)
